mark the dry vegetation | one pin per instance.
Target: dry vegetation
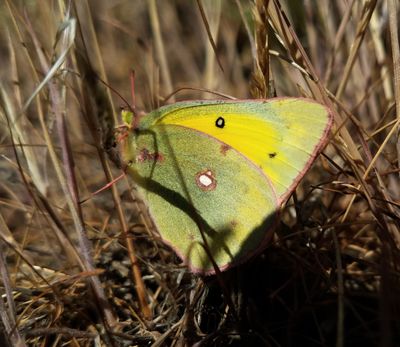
(331, 275)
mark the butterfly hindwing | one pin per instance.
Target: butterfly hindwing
(192, 182)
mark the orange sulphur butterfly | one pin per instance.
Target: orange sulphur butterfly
(214, 173)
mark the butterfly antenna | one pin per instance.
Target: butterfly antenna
(132, 76)
(133, 107)
(225, 96)
(114, 91)
(108, 185)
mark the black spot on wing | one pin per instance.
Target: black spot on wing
(220, 122)
(272, 155)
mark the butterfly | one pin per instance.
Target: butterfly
(214, 174)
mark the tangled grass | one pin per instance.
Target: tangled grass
(87, 269)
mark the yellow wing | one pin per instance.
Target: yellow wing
(282, 136)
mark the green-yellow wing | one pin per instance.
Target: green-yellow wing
(282, 136)
(214, 173)
(193, 188)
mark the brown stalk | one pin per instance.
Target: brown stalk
(88, 88)
(68, 184)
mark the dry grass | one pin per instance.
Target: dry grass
(331, 276)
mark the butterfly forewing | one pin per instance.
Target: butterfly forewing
(281, 136)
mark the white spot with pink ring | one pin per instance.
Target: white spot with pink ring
(205, 180)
